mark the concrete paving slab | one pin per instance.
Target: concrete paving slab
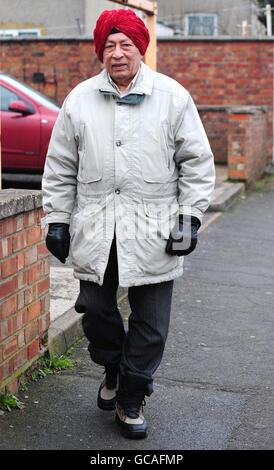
(65, 331)
(60, 413)
(224, 195)
(64, 290)
(256, 430)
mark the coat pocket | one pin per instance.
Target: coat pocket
(161, 215)
(91, 155)
(157, 154)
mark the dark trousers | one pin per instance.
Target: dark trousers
(138, 352)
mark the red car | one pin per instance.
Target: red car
(27, 119)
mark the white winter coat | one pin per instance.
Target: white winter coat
(127, 169)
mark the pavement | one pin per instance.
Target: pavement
(214, 389)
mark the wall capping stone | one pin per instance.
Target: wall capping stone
(214, 39)
(159, 38)
(15, 201)
(242, 109)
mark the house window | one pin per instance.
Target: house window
(201, 25)
(13, 33)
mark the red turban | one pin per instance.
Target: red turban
(125, 21)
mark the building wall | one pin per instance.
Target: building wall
(53, 17)
(216, 72)
(93, 8)
(59, 17)
(230, 13)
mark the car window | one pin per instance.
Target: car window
(7, 96)
(31, 92)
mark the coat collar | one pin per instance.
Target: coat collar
(143, 85)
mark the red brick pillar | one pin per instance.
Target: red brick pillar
(215, 121)
(24, 285)
(246, 143)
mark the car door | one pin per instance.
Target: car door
(20, 133)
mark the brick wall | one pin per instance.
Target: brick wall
(215, 121)
(246, 143)
(223, 72)
(216, 72)
(24, 285)
(237, 135)
(65, 63)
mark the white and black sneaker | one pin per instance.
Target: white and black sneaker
(106, 398)
(129, 415)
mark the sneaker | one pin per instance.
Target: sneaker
(106, 398)
(129, 415)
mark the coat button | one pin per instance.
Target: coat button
(118, 143)
(117, 191)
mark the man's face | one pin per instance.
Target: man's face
(121, 58)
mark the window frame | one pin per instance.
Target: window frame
(20, 32)
(215, 23)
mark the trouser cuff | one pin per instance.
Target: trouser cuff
(105, 358)
(136, 381)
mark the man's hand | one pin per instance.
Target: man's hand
(58, 240)
(183, 238)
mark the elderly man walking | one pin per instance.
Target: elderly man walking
(128, 175)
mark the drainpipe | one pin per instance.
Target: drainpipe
(273, 104)
(269, 33)
(268, 20)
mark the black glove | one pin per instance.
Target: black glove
(58, 240)
(183, 238)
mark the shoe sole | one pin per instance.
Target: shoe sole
(107, 405)
(103, 405)
(130, 434)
